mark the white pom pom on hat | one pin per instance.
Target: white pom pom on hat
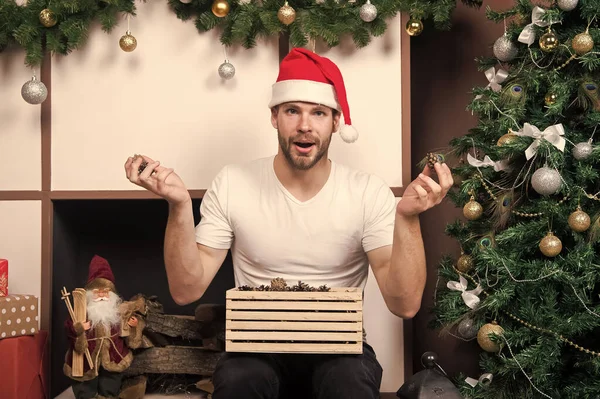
(308, 77)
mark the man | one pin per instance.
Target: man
(299, 216)
(101, 335)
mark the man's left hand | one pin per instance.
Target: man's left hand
(424, 193)
(133, 321)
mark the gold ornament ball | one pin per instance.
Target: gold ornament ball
(220, 8)
(550, 99)
(414, 27)
(548, 41)
(286, 14)
(47, 18)
(508, 138)
(465, 263)
(583, 43)
(484, 340)
(579, 221)
(472, 210)
(128, 42)
(550, 245)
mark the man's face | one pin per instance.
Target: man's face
(304, 131)
(100, 294)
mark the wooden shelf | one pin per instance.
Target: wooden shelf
(85, 194)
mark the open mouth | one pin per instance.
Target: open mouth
(304, 147)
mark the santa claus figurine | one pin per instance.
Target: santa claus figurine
(102, 335)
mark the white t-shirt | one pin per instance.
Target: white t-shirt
(271, 234)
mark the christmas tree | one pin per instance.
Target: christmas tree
(526, 285)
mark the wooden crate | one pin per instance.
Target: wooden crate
(294, 322)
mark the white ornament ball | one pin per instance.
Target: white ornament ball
(567, 5)
(546, 181)
(582, 150)
(34, 91)
(368, 12)
(504, 49)
(226, 70)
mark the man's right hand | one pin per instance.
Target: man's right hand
(157, 179)
(86, 325)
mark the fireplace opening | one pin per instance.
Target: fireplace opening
(129, 234)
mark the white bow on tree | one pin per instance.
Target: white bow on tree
(527, 35)
(487, 161)
(495, 78)
(553, 134)
(470, 297)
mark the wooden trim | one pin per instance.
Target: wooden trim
(46, 124)
(112, 194)
(25, 195)
(46, 289)
(398, 191)
(284, 45)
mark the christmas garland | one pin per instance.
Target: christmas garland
(62, 26)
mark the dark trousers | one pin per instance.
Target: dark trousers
(107, 384)
(291, 376)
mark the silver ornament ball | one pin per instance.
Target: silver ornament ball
(546, 181)
(504, 49)
(467, 329)
(567, 5)
(226, 70)
(582, 150)
(368, 12)
(34, 91)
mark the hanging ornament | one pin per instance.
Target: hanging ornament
(546, 181)
(508, 138)
(34, 91)
(550, 245)
(414, 27)
(504, 49)
(582, 150)
(226, 70)
(549, 42)
(567, 5)
(483, 336)
(368, 12)
(466, 328)
(286, 14)
(579, 221)
(220, 8)
(582, 43)
(472, 209)
(465, 263)
(128, 42)
(550, 98)
(47, 18)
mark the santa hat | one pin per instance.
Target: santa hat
(306, 76)
(100, 275)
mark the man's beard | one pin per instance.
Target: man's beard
(104, 311)
(303, 162)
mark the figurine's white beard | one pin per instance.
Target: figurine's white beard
(103, 310)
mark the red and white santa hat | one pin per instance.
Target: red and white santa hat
(100, 275)
(308, 77)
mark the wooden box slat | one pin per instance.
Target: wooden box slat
(294, 322)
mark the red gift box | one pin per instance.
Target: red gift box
(23, 363)
(3, 277)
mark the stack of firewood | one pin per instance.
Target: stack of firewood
(176, 348)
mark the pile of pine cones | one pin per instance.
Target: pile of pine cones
(279, 284)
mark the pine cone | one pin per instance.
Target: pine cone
(278, 284)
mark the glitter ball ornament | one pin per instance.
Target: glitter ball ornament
(550, 99)
(466, 328)
(368, 12)
(34, 91)
(582, 43)
(550, 245)
(579, 221)
(226, 70)
(220, 8)
(128, 42)
(472, 209)
(286, 14)
(567, 5)
(414, 27)
(483, 336)
(582, 150)
(465, 263)
(546, 181)
(508, 138)
(548, 42)
(504, 49)
(47, 18)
